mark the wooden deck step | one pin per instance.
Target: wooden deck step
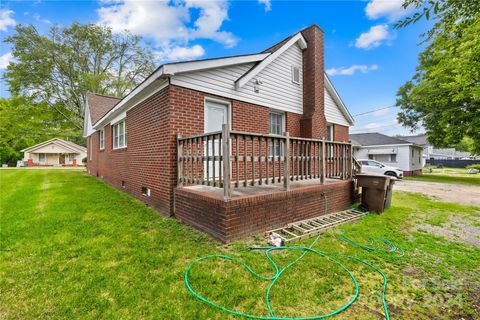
(306, 228)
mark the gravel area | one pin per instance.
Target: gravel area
(462, 194)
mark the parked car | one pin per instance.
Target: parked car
(378, 168)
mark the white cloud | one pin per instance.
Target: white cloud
(37, 18)
(5, 60)
(267, 3)
(373, 37)
(351, 70)
(181, 53)
(169, 22)
(6, 19)
(390, 9)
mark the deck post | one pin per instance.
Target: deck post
(324, 160)
(179, 161)
(286, 163)
(350, 161)
(227, 188)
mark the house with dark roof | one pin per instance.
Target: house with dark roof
(391, 151)
(232, 145)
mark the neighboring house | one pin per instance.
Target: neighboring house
(429, 152)
(55, 152)
(392, 151)
(164, 142)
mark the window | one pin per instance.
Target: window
(371, 157)
(90, 151)
(41, 157)
(330, 132)
(374, 164)
(276, 127)
(119, 135)
(101, 139)
(393, 158)
(296, 74)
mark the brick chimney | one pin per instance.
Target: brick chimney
(313, 123)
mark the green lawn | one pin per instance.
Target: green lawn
(73, 247)
(455, 176)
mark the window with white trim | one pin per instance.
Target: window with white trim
(41, 157)
(101, 139)
(296, 74)
(329, 132)
(90, 151)
(393, 157)
(119, 135)
(276, 126)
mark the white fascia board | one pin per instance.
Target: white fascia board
(168, 70)
(389, 145)
(243, 80)
(118, 118)
(38, 145)
(132, 99)
(151, 79)
(338, 100)
(189, 66)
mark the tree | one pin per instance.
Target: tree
(24, 124)
(444, 93)
(60, 67)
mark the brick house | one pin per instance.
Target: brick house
(231, 146)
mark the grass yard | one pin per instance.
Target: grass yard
(448, 175)
(73, 247)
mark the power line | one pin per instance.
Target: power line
(375, 110)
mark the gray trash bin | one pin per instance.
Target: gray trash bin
(388, 198)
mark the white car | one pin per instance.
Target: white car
(378, 168)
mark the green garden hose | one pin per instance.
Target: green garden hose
(392, 248)
(279, 272)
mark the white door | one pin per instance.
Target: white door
(216, 114)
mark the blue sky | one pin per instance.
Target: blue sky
(367, 59)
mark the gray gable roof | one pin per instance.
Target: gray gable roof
(374, 139)
(420, 139)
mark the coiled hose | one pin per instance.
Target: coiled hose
(279, 272)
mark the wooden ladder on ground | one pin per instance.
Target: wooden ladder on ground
(307, 228)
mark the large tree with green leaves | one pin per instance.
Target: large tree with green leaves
(59, 67)
(444, 93)
(24, 124)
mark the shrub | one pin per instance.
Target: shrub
(474, 166)
(84, 160)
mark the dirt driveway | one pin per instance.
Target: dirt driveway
(463, 194)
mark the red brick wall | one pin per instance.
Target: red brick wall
(313, 124)
(340, 133)
(144, 162)
(244, 216)
(150, 157)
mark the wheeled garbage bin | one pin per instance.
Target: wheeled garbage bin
(374, 191)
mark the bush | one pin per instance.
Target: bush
(84, 160)
(474, 166)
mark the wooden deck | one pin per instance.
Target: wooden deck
(257, 189)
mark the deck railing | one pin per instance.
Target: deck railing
(227, 159)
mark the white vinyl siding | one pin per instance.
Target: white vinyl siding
(332, 111)
(398, 156)
(101, 139)
(276, 91)
(119, 135)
